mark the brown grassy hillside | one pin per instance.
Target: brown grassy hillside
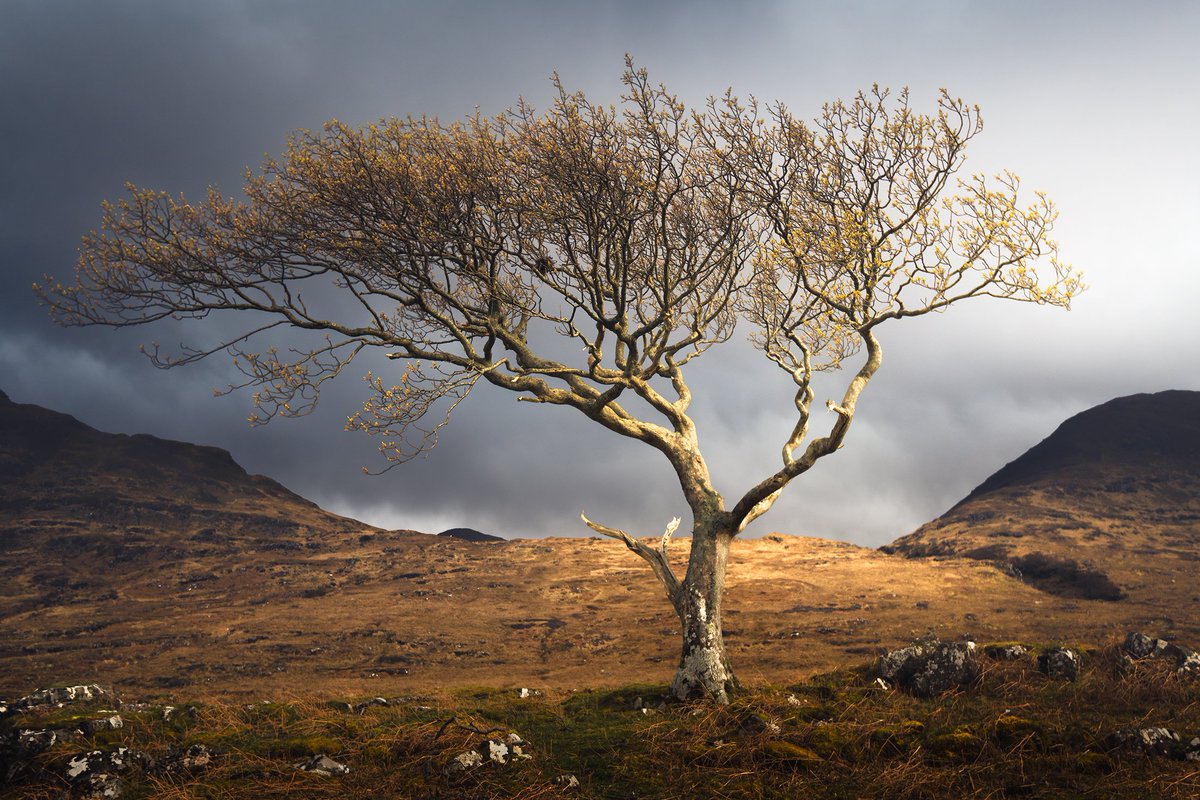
(154, 566)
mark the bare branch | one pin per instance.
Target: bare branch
(657, 559)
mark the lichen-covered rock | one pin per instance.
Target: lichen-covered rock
(97, 773)
(1151, 741)
(568, 781)
(464, 761)
(103, 786)
(1006, 652)
(322, 764)
(90, 727)
(189, 759)
(1138, 645)
(497, 751)
(1060, 664)
(928, 667)
(1189, 667)
(57, 696)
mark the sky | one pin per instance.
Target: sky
(1093, 102)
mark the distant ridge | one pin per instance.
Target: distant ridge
(1079, 513)
(1140, 431)
(471, 535)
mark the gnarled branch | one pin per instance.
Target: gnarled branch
(657, 559)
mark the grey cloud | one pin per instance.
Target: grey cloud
(1085, 100)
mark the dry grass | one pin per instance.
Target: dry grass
(1014, 734)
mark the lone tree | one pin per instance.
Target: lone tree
(642, 233)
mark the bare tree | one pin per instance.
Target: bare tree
(641, 233)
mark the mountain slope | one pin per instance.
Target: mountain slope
(1106, 506)
(151, 565)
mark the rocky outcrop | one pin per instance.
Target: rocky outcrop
(929, 667)
(1156, 742)
(57, 696)
(1138, 647)
(1060, 664)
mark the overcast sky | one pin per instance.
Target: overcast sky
(1094, 102)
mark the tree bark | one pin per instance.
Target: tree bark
(704, 669)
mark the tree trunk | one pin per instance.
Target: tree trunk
(704, 670)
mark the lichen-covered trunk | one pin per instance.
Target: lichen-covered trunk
(704, 670)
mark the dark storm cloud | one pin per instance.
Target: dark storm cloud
(1086, 100)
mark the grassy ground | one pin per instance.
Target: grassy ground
(1014, 734)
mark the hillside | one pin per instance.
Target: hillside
(1107, 506)
(150, 565)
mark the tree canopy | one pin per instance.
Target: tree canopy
(581, 255)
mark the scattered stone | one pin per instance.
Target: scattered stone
(1193, 750)
(322, 764)
(1151, 741)
(192, 758)
(882, 684)
(1189, 667)
(21, 744)
(93, 726)
(928, 667)
(753, 724)
(568, 781)
(57, 696)
(96, 773)
(1007, 652)
(792, 700)
(103, 785)
(464, 761)
(1060, 663)
(498, 751)
(522, 693)
(1138, 645)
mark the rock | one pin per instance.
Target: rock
(568, 781)
(928, 667)
(1193, 750)
(1138, 645)
(94, 726)
(522, 693)
(496, 751)
(194, 757)
(22, 744)
(57, 696)
(1007, 652)
(322, 764)
(103, 785)
(1151, 741)
(1060, 663)
(463, 762)
(511, 748)
(753, 724)
(1189, 667)
(96, 772)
